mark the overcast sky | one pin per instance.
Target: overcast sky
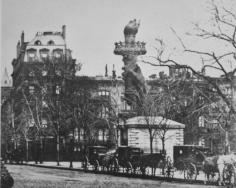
(92, 27)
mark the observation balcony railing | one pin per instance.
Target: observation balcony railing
(136, 48)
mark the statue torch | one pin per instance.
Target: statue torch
(130, 49)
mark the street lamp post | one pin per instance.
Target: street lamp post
(58, 135)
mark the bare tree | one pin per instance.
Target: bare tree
(25, 121)
(223, 30)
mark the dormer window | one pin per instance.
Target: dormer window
(37, 42)
(44, 53)
(57, 53)
(51, 42)
(31, 53)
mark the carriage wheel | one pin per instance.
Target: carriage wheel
(96, 165)
(229, 174)
(190, 172)
(129, 167)
(169, 168)
(85, 163)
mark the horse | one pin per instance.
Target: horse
(223, 160)
(153, 160)
(107, 159)
(217, 163)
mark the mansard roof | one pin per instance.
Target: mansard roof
(48, 39)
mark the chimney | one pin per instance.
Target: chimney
(64, 32)
(18, 49)
(106, 71)
(113, 72)
(22, 38)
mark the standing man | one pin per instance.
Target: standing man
(71, 152)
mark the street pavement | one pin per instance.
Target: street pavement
(78, 165)
(36, 177)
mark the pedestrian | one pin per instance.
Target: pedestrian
(36, 152)
(71, 152)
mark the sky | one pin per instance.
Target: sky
(93, 26)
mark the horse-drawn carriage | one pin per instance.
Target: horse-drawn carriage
(98, 156)
(130, 159)
(188, 159)
(192, 159)
(14, 156)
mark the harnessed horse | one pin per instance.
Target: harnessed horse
(217, 164)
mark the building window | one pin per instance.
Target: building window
(44, 104)
(103, 134)
(44, 53)
(76, 134)
(104, 93)
(37, 42)
(44, 123)
(201, 141)
(104, 112)
(58, 90)
(81, 134)
(31, 54)
(201, 121)
(44, 73)
(125, 106)
(57, 53)
(106, 134)
(100, 134)
(31, 89)
(51, 42)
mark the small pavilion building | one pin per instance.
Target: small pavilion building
(135, 132)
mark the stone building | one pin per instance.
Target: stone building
(207, 123)
(46, 95)
(136, 133)
(40, 69)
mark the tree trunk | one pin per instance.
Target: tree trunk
(164, 152)
(27, 150)
(163, 145)
(58, 149)
(41, 150)
(151, 144)
(227, 146)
